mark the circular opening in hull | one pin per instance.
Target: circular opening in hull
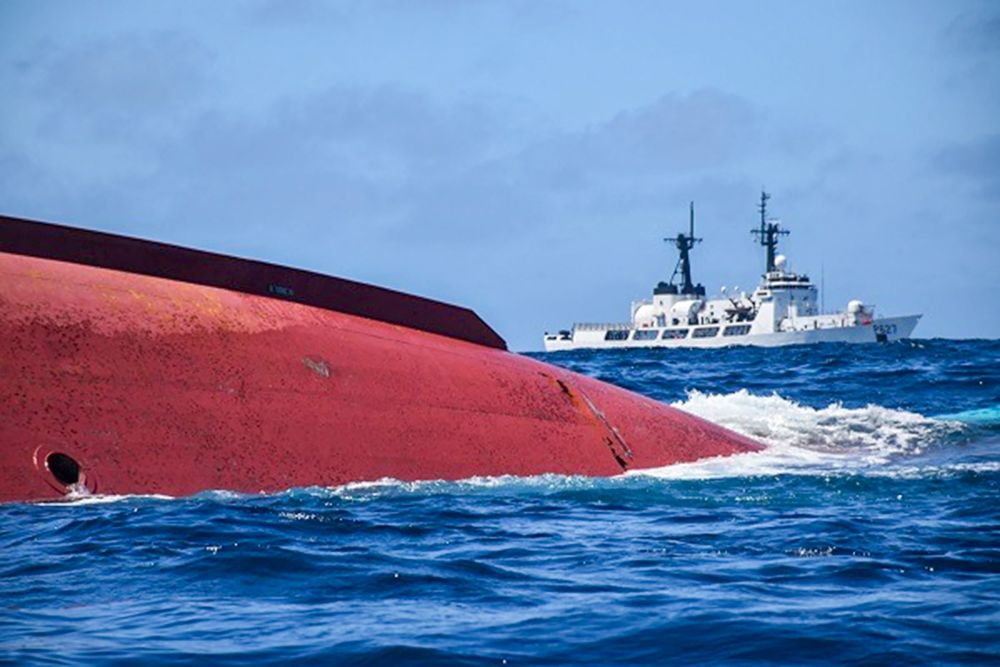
(63, 467)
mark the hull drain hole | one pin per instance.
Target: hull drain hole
(63, 467)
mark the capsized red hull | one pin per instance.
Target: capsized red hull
(152, 385)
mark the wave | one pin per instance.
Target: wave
(807, 440)
(775, 420)
(872, 440)
(985, 417)
(366, 490)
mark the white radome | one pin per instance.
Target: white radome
(644, 314)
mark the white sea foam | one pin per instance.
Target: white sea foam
(807, 440)
(80, 499)
(388, 485)
(935, 470)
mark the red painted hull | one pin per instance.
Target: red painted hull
(159, 386)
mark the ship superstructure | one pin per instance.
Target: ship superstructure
(784, 309)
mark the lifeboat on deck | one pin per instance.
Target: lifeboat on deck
(128, 366)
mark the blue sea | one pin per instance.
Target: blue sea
(867, 533)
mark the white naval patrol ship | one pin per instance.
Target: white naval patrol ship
(783, 310)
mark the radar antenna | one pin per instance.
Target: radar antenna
(684, 245)
(769, 232)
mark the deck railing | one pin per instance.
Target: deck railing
(602, 326)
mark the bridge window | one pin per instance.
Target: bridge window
(737, 330)
(706, 332)
(616, 334)
(645, 334)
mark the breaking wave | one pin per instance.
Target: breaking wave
(871, 430)
(807, 440)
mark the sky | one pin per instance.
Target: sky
(526, 159)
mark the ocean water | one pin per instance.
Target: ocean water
(867, 533)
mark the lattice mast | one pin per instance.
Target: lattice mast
(769, 232)
(684, 244)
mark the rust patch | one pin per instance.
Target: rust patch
(566, 391)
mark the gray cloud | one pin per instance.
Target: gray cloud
(389, 121)
(706, 128)
(24, 184)
(365, 144)
(118, 85)
(398, 162)
(623, 165)
(977, 161)
(293, 12)
(974, 32)
(673, 134)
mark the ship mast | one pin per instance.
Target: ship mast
(769, 232)
(684, 245)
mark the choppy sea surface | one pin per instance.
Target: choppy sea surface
(867, 533)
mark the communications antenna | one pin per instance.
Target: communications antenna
(684, 245)
(769, 231)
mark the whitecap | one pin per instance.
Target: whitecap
(807, 440)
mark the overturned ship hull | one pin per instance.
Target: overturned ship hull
(128, 366)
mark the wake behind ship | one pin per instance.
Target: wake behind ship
(783, 310)
(133, 367)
